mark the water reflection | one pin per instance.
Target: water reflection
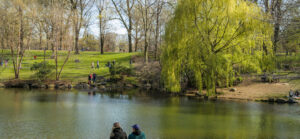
(58, 114)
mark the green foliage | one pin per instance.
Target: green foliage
(216, 40)
(132, 80)
(42, 70)
(288, 62)
(89, 42)
(120, 69)
(291, 40)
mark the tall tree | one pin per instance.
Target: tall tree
(124, 10)
(104, 18)
(80, 9)
(147, 15)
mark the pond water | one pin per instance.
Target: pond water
(73, 114)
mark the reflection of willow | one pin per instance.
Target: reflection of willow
(192, 119)
(175, 119)
(266, 126)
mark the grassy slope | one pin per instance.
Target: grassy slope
(73, 71)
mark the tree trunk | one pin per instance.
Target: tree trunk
(129, 27)
(130, 41)
(156, 34)
(40, 41)
(52, 41)
(76, 41)
(21, 45)
(277, 20)
(146, 48)
(102, 43)
(276, 36)
(56, 64)
(60, 38)
(266, 2)
(136, 44)
(101, 34)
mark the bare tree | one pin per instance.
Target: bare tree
(125, 12)
(80, 9)
(17, 31)
(104, 18)
(158, 11)
(144, 6)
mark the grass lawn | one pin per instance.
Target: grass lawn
(72, 71)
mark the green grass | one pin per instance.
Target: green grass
(72, 71)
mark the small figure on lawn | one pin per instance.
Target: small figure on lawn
(6, 63)
(93, 65)
(98, 65)
(90, 79)
(108, 64)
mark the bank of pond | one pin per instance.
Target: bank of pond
(128, 84)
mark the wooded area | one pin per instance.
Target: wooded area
(207, 43)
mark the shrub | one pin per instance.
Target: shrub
(120, 69)
(43, 70)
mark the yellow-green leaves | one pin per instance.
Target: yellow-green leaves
(215, 39)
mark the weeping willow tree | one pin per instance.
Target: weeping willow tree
(215, 40)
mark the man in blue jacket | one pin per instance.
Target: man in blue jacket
(136, 133)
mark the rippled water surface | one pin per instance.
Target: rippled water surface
(51, 114)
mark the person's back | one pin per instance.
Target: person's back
(117, 132)
(136, 133)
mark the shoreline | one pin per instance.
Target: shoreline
(261, 92)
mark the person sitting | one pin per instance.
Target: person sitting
(291, 93)
(117, 132)
(297, 93)
(136, 133)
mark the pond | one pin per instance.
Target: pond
(75, 114)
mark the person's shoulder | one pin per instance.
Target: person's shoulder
(143, 134)
(131, 136)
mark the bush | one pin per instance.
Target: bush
(43, 70)
(120, 69)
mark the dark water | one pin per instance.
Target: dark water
(50, 114)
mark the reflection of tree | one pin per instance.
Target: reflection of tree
(266, 127)
(17, 102)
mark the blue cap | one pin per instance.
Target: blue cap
(136, 127)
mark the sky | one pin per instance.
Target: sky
(115, 26)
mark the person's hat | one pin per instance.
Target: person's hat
(136, 127)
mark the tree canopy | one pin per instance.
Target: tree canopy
(214, 41)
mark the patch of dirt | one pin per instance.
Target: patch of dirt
(256, 90)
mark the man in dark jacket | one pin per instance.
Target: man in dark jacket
(94, 77)
(117, 132)
(137, 133)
